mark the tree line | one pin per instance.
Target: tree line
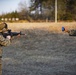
(42, 10)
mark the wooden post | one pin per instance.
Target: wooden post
(56, 11)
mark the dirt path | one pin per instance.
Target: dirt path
(40, 53)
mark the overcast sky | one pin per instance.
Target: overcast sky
(10, 5)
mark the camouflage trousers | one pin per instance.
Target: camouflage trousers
(0, 61)
(72, 32)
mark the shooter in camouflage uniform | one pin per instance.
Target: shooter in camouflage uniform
(71, 32)
(3, 42)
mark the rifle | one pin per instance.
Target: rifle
(9, 32)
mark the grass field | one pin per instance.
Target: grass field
(42, 51)
(55, 27)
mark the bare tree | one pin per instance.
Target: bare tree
(23, 10)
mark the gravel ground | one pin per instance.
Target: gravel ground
(40, 52)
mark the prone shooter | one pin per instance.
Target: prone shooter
(71, 32)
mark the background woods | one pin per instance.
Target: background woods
(44, 10)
